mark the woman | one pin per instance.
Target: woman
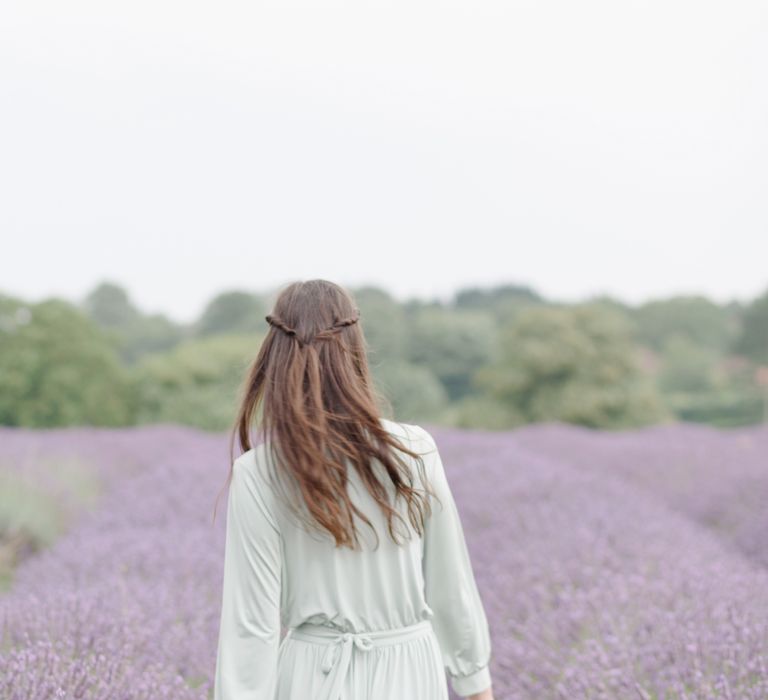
(369, 617)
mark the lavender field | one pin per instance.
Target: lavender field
(613, 565)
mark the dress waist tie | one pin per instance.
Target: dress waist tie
(340, 645)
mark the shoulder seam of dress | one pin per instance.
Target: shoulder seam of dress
(426, 436)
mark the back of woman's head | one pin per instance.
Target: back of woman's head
(311, 393)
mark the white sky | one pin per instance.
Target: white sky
(183, 148)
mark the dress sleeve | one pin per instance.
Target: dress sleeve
(249, 633)
(451, 592)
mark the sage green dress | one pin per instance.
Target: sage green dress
(278, 573)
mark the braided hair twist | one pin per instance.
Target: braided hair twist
(338, 325)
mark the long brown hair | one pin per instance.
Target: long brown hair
(311, 387)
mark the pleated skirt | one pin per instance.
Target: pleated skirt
(317, 662)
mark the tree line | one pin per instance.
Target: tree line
(491, 358)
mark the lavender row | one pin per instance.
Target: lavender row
(602, 572)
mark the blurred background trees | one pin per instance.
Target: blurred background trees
(490, 358)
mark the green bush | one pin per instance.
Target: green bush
(57, 368)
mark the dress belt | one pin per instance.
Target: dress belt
(338, 655)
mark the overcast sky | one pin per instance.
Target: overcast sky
(184, 148)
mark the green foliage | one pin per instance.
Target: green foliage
(133, 333)
(687, 366)
(753, 339)
(481, 412)
(694, 317)
(452, 345)
(383, 321)
(701, 385)
(503, 302)
(494, 358)
(109, 305)
(413, 392)
(233, 312)
(725, 408)
(152, 333)
(484, 298)
(604, 301)
(197, 382)
(57, 369)
(573, 364)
